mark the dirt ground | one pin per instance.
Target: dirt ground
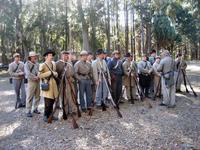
(140, 128)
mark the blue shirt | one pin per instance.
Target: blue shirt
(115, 67)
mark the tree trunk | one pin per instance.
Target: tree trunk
(66, 26)
(126, 26)
(108, 26)
(84, 26)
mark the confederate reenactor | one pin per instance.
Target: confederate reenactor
(181, 66)
(145, 70)
(157, 78)
(65, 71)
(130, 77)
(152, 57)
(83, 73)
(33, 89)
(16, 71)
(49, 89)
(116, 72)
(100, 69)
(167, 68)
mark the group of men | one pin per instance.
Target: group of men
(93, 82)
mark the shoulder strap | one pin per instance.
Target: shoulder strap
(145, 65)
(16, 68)
(49, 67)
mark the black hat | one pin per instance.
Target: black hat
(49, 51)
(128, 55)
(99, 52)
(178, 55)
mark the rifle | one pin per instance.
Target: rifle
(185, 82)
(184, 74)
(74, 98)
(112, 101)
(57, 99)
(141, 94)
(132, 100)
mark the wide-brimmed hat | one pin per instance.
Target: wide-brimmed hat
(16, 55)
(49, 51)
(82, 53)
(32, 54)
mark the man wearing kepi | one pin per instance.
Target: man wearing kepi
(99, 69)
(49, 89)
(33, 89)
(167, 67)
(65, 71)
(130, 71)
(16, 70)
(116, 72)
(83, 73)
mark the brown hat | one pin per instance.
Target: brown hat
(16, 55)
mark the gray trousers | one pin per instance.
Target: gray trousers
(85, 88)
(101, 93)
(33, 91)
(20, 92)
(179, 79)
(168, 94)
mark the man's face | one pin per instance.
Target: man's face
(17, 58)
(49, 57)
(101, 56)
(89, 57)
(130, 58)
(34, 59)
(84, 57)
(145, 58)
(153, 54)
(65, 57)
(158, 60)
(117, 55)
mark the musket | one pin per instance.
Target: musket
(57, 99)
(184, 74)
(112, 101)
(74, 98)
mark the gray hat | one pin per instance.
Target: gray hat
(16, 55)
(83, 53)
(32, 54)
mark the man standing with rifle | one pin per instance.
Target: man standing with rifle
(130, 71)
(16, 71)
(99, 65)
(68, 97)
(180, 68)
(116, 72)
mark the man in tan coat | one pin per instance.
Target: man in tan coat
(33, 89)
(65, 71)
(130, 71)
(47, 73)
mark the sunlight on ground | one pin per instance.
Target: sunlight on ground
(127, 125)
(5, 93)
(82, 143)
(7, 130)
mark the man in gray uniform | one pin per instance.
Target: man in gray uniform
(16, 70)
(99, 66)
(83, 73)
(145, 69)
(167, 68)
(33, 89)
